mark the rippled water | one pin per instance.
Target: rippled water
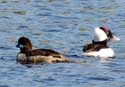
(65, 26)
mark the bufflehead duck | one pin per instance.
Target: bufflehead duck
(27, 55)
(99, 47)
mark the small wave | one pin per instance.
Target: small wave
(119, 70)
(101, 78)
(5, 48)
(4, 86)
(8, 58)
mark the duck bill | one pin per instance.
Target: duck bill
(115, 39)
(19, 46)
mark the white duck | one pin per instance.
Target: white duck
(98, 47)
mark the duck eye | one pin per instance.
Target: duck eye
(109, 34)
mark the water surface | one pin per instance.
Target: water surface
(65, 26)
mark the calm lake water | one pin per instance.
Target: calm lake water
(65, 26)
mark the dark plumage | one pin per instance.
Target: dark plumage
(27, 55)
(95, 46)
(43, 52)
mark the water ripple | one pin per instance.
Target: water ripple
(65, 26)
(101, 78)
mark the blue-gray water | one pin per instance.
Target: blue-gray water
(65, 26)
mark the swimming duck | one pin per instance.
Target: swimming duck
(27, 55)
(99, 47)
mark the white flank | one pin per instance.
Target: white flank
(103, 53)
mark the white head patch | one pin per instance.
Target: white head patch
(100, 35)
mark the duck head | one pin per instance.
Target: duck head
(24, 44)
(104, 33)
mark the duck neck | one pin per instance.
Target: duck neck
(104, 42)
(24, 50)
